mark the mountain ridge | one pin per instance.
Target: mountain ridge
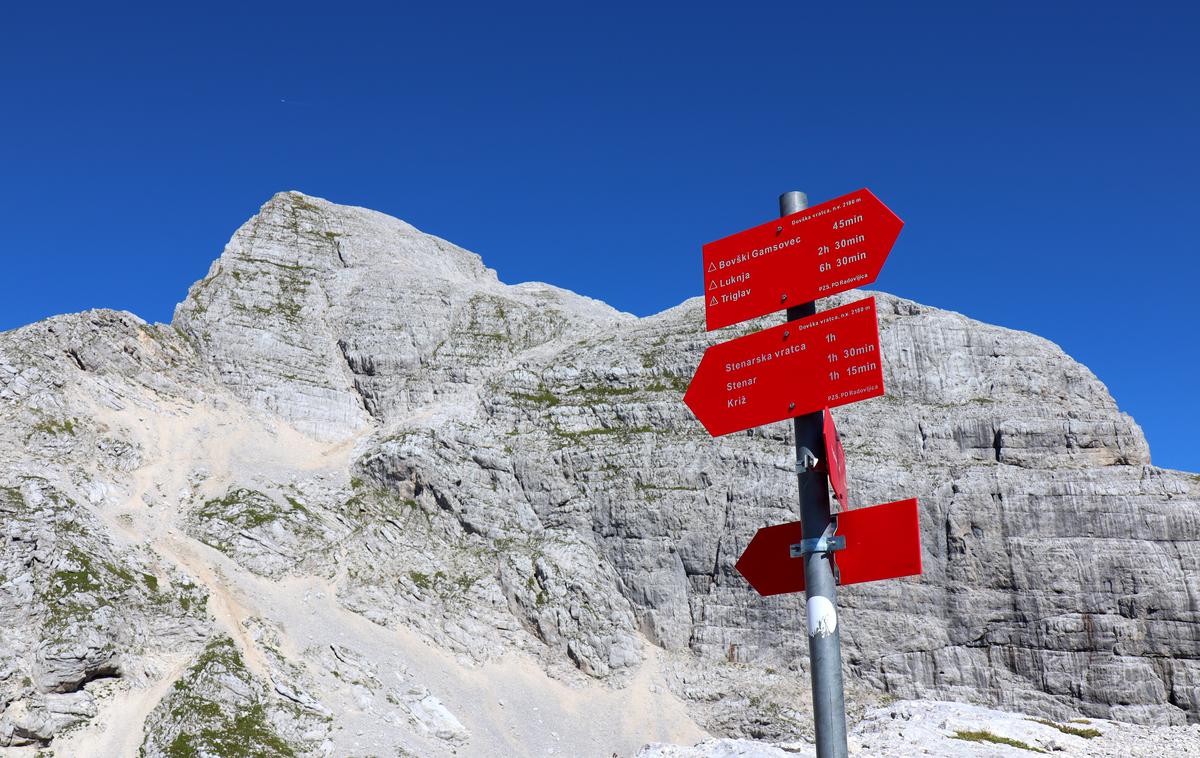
(367, 416)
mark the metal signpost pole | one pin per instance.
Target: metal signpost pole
(824, 641)
(761, 378)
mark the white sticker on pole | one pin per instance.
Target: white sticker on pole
(822, 617)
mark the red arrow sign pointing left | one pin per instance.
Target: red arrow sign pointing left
(825, 360)
(882, 542)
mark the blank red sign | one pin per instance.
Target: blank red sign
(882, 542)
(825, 360)
(835, 459)
(829, 248)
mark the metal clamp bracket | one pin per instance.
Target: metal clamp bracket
(807, 461)
(826, 543)
(818, 545)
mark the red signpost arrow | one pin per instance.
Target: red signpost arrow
(829, 248)
(835, 460)
(825, 360)
(882, 542)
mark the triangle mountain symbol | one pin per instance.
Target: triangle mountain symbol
(713, 284)
(713, 301)
(712, 267)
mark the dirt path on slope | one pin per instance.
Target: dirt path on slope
(116, 731)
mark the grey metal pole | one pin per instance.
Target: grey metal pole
(824, 639)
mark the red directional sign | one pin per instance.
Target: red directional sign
(882, 542)
(835, 460)
(829, 248)
(825, 360)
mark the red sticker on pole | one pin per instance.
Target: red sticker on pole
(835, 461)
(825, 360)
(882, 542)
(829, 248)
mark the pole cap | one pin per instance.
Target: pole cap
(792, 202)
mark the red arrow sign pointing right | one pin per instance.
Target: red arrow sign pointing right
(829, 248)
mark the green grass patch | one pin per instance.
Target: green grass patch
(83, 577)
(296, 504)
(673, 384)
(543, 396)
(441, 583)
(63, 583)
(982, 736)
(603, 391)
(1074, 731)
(56, 427)
(639, 486)
(603, 431)
(125, 575)
(422, 581)
(191, 598)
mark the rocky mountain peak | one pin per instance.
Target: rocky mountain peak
(363, 496)
(333, 316)
(296, 230)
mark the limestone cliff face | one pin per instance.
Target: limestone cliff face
(358, 476)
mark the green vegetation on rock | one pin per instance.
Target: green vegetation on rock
(1074, 731)
(78, 588)
(442, 584)
(246, 509)
(543, 396)
(623, 430)
(204, 725)
(983, 736)
(602, 391)
(56, 427)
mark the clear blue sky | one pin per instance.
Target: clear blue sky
(1044, 155)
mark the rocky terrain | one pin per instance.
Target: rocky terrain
(937, 728)
(361, 498)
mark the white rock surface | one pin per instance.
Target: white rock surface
(936, 728)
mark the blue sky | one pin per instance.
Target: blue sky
(1043, 155)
